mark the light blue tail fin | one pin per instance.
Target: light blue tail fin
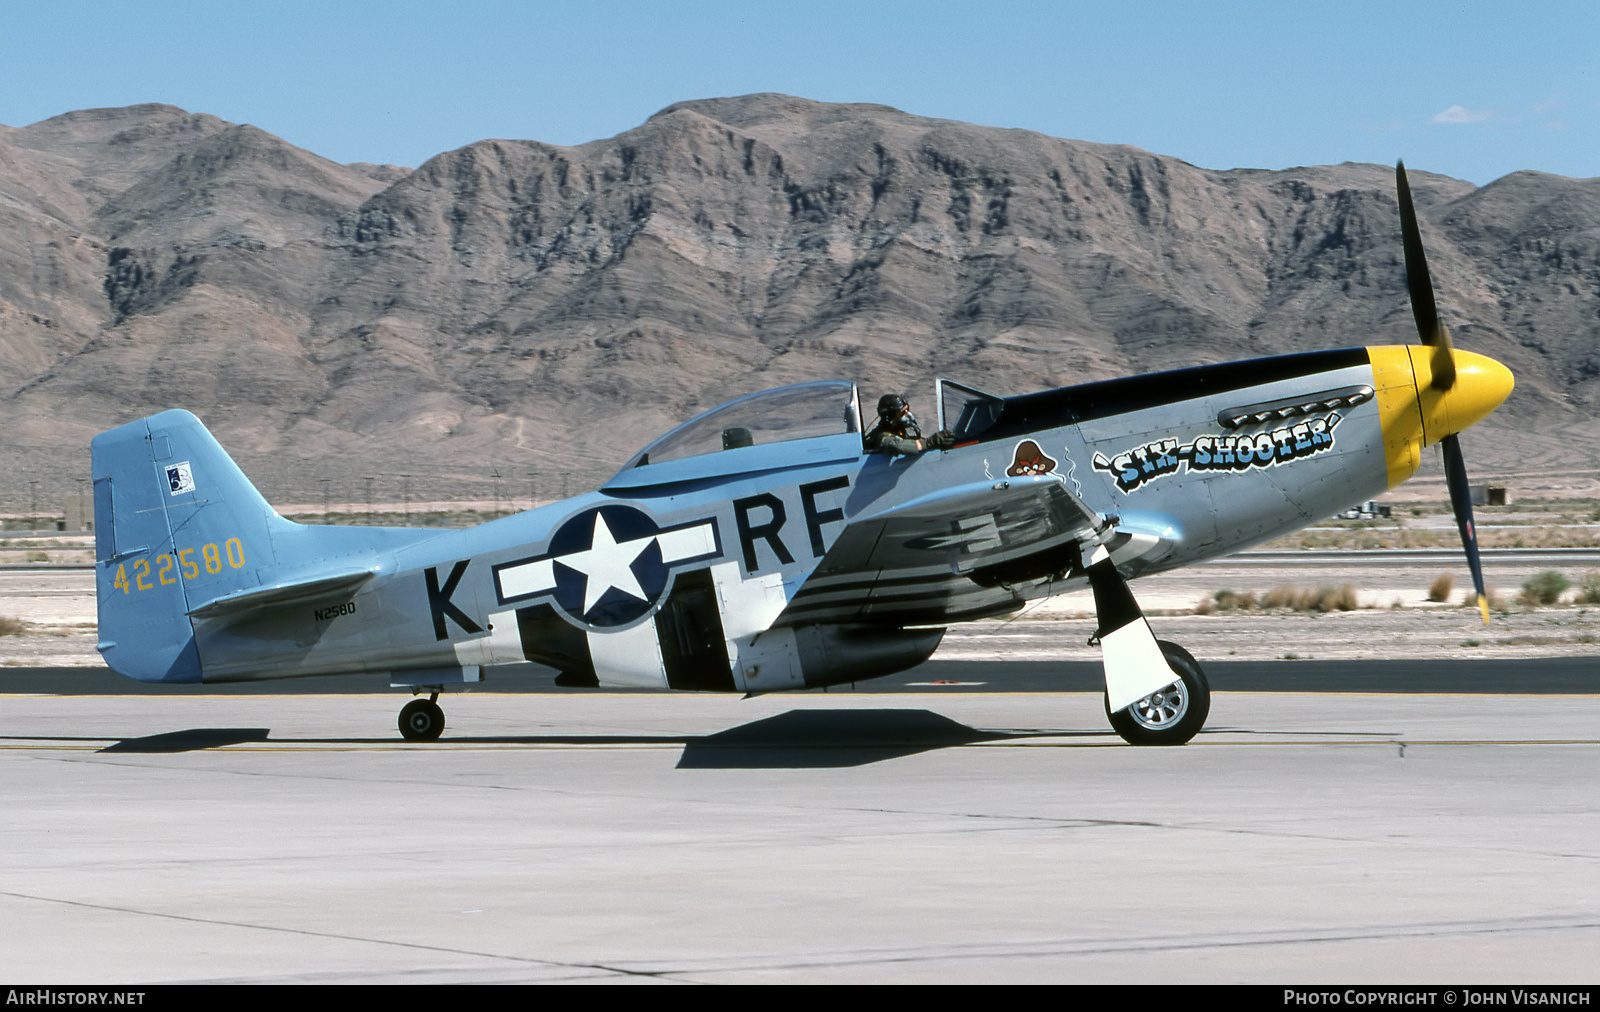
(177, 526)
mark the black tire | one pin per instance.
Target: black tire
(421, 720)
(1173, 715)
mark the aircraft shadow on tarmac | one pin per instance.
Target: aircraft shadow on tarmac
(192, 740)
(810, 739)
(799, 739)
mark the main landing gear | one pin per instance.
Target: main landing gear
(422, 719)
(1136, 663)
(1171, 715)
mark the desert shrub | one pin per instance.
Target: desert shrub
(1322, 599)
(1589, 589)
(38, 557)
(1544, 587)
(1279, 597)
(10, 626)
(1337, 598)
(1226, 600)
(1496, 601)
(1439, 589)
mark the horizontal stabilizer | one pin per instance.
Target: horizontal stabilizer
(277, 595)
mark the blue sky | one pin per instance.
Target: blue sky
(1468, 89)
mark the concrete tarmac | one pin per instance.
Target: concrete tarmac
(864, 837)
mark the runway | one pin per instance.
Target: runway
(1425, 819)
(953, 835)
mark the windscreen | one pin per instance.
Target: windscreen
(965, 411)
(826, 408)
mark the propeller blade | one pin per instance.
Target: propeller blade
(1444, 360)
(1455, 474)
(1433, 333)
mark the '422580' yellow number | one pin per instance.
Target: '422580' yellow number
(167, 568)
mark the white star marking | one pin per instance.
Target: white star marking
(607, 564)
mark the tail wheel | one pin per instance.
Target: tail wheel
(1172, 715)
(421, 720)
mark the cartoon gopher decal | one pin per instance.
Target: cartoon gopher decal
(1030, 460)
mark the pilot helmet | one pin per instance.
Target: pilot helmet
(890, 407)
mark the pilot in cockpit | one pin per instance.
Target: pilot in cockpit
(897, 433)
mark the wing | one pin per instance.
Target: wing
(962, 552)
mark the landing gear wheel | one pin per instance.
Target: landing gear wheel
(421, 720)
(1170, 716)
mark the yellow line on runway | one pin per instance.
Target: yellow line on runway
(53, 748)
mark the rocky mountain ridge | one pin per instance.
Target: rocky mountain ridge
(519, 308)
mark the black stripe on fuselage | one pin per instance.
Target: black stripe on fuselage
(689, 629)
(549, 639)
(1046, 409)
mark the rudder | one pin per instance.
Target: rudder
(177, 525)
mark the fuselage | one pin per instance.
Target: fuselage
(712, 568)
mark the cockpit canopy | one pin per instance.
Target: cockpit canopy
(803, 411)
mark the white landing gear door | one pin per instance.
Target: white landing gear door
(1134, 665)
